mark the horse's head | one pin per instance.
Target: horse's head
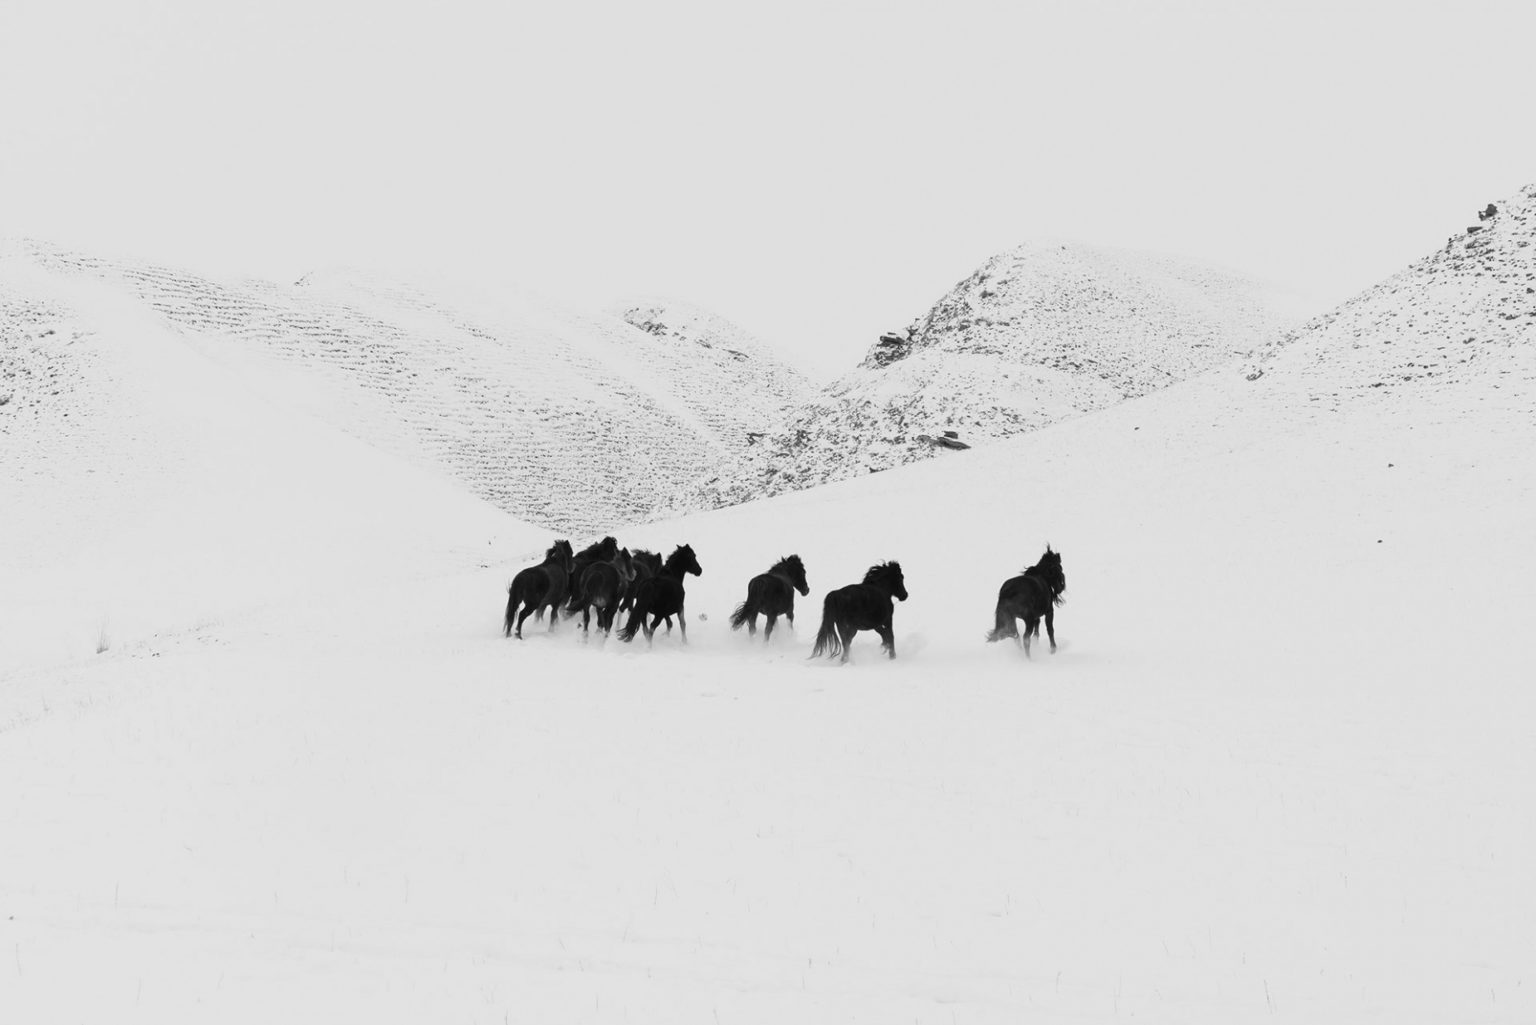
(1049, 570)
(797, 574)
(625, 564)
(888, 575)
(561, 552)
(793, 571)
(682, 560)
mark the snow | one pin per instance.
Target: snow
(1280, 769)
(1038, 334)
(491, 389)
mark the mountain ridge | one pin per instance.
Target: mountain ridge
(577, 420)
(1468, 307)
(1039, 333)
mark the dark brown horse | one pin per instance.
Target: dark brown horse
(1031, 596)
(601, 587)
(864, 606)
(602, 551)
(645, 565)
(539, 587)
(773, 595)
(662, 596)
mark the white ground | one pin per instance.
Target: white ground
(1281, 769)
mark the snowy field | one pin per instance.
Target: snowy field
(1281, 768)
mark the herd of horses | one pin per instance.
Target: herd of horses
(604, 580)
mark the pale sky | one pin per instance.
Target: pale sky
(818, 172)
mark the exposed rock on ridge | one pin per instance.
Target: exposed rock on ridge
(1466, 310)
(1039, 334)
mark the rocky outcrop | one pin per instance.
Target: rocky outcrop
(1038, 334)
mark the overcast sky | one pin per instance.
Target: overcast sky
(818, 172)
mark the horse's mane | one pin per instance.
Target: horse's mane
(1048, 572)
(555, 549)
(792, 564)
(606, 548)
(881, 571)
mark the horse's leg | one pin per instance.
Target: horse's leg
(752, 624)
(1031, 627)
(682, 623)
(1050, 627)
(773, 617)
(846, 633)
(522, 618)
(888, 639)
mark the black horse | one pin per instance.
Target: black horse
(601, 587)
(646, 565)
(602, 551)
(773, 595)
(865, 606)
(1031, 596)
(539, 587)
(662, 596)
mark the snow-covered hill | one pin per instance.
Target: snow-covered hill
(570, 420)
(1039, 334)
(1465, 312)
(740, 387)
(1280, 769)
(150, 490)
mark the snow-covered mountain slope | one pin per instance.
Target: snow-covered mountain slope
(740, 386)
(149, 489)
(569, 420)
(1280, 769)
(1039, 334)
(1466, 311)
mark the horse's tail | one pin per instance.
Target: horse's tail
(827, 641)
(1005, 626)
(637, 614)
(575, 598)
(512, 604)
(745, 611)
